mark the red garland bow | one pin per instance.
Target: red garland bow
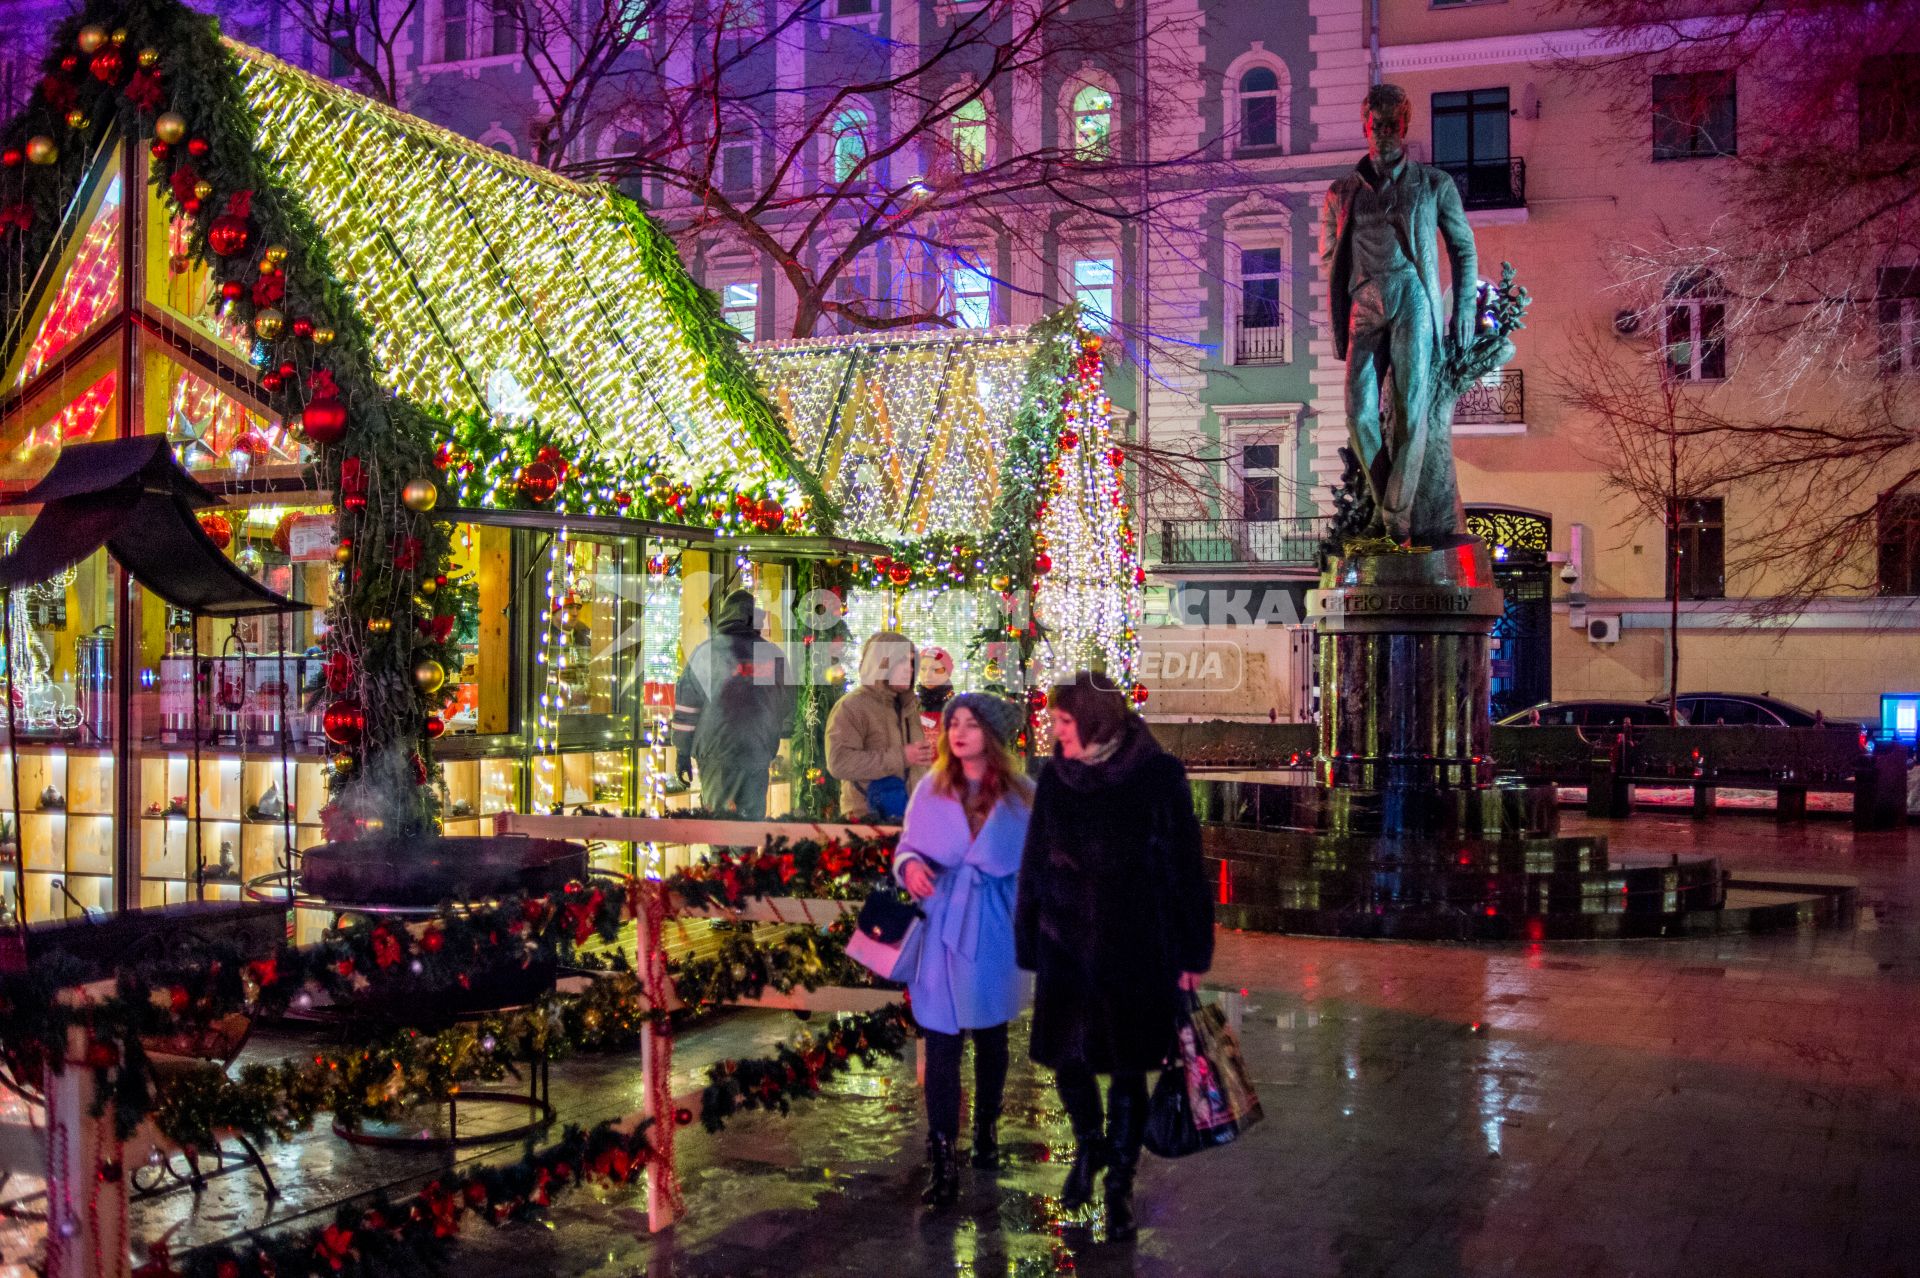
(386, 950)
(407, 557)
(335, 1246)
(144, 91)
(269, 289)
(240, 204)
(17, 217)
(184, 179)
(439, 630)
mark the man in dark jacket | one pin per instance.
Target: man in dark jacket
(733, 704)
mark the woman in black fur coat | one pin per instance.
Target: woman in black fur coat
(1114, 918)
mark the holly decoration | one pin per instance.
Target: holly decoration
(218, 529)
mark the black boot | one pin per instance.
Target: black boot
(943, 1175)
(986, 1141)
(1126, 1131)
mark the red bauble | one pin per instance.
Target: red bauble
(882, 564)
(288, 368)
(538, 481)
(1069, 439)
(1115, 456)
(106, 65)
(325, 421)
(271, 383)
(1139, 694)
(343, 723)
(1139, 576)
(230, 231)
(623, 499)
(772, 513)
(1043, 562)
(217, 527)
(13, 157)
(303, 327)
(1037, 698)
(232, 291)
(198, 147)
(254, 444)
(160, 150)
(435, 727)
(901, 574)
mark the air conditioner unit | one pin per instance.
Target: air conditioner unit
(1603, 629)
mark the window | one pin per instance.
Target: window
(736, 166)
(972, 291)
(1259, 108)
(1471, 145)
(453, 31)
(1890, 99)
(740, 307)
(849, 136)
(1898, 311)
(970, 136)
(1899, 522)
(1260, 481)
(736, 14)
(854, 8)
(853, 288)
(1697, 548)
(1092, 124)
(1093, 290)
(633, 15)
(1696, 346)
(505, 34)
(1693, 115)
(342, 43)
(1260, 338)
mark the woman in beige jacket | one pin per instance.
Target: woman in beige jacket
(874, 731)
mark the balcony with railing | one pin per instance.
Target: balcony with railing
(1259, 343)
(1280, 543)
(1498, 399)
(1490, 184)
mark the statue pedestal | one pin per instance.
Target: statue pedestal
(1404, 671)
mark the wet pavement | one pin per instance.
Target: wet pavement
(1721, 1105)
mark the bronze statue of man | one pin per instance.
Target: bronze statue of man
(1378, 245)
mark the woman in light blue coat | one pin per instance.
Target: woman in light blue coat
(959, 854)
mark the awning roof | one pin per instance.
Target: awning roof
(131, 496)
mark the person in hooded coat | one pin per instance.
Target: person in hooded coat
(733, 704)
(874, 732)
(959, 851)
(1114, 919)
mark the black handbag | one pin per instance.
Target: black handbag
(880, 934)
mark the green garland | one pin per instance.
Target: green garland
(797, 1069)
(832, 869)
(388, 1240)
(749, 964)
(181, 997)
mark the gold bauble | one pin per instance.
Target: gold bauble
(274, 254)
(343, 554)
(430, 675)
(268, 323)
(322, 336)
(203, 190)
(41, 150)
(428, 586)
(1002, 582)
(92, 36)
(341, 762)
(119, 35)
(149, 58)
(77, 119)
(419, 495)
(374, 825)
(379, 625)
(170, 127)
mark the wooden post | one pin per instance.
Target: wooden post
(86, 1176)
(655, 1067)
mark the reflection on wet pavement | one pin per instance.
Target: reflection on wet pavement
(1721, 1105)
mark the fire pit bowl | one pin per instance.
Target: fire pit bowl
(427, 871)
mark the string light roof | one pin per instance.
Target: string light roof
(907, 432)
(494, 286)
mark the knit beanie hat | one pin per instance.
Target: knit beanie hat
(997, 715)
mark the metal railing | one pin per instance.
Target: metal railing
(1494, 184)
(1293, 543)
(1259, 345)
(1500, 396)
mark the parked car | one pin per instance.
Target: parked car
(1745, 709)
(1591, 714)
